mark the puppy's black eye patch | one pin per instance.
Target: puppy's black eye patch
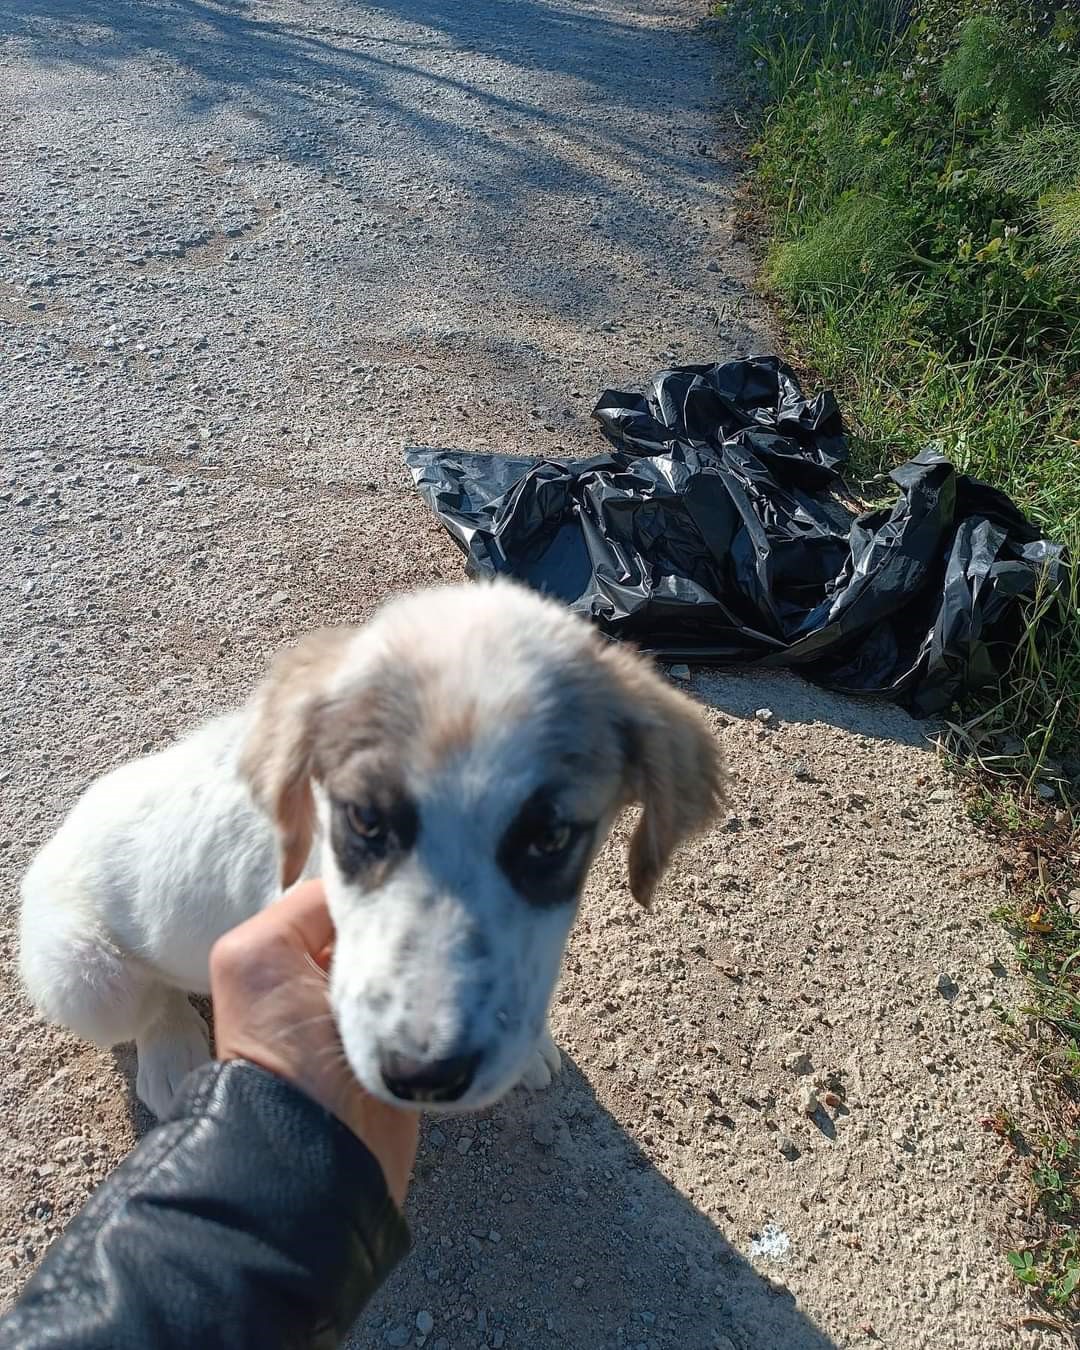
(542, 854)
(370, 836)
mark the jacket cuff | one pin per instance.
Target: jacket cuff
(318, 1174)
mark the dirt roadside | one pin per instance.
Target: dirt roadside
(306, 236)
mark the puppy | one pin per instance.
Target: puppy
(450, 770)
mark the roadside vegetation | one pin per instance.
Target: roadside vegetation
(917, 183)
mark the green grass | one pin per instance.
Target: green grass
(1042, 851)
(919, 174)
(917, 185)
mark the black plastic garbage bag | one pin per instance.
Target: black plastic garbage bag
(716, 530)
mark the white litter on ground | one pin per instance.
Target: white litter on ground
(772, 1243)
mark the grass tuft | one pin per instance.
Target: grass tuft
(1040, 850)
(919, 171)
(918, 180)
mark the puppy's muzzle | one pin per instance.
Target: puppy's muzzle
(439, 1080)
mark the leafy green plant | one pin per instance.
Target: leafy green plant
(922, 186)
(1023, 1267)
(990, 74)
(1059, 220)
(861, 239)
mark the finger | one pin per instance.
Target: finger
(300, 919)
(303, 914)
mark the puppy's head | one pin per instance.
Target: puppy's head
(462, 757)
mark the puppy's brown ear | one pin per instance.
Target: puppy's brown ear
(276, 758)
(673, 767)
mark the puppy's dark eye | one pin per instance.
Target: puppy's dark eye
(549, 841)
(371, 835)
(368, 822)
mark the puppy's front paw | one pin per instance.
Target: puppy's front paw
(167, 1054)
(544, 1063)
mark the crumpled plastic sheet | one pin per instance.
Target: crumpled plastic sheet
(716, 529)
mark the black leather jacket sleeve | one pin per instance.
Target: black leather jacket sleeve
(250, 1217)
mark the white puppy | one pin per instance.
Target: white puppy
(450, 770)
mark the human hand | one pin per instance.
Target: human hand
(268, 982)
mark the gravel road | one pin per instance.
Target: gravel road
(248, 252)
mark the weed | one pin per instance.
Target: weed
(1040, 852)
(989, 75)
(918, 172)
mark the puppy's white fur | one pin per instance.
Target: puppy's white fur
(464, 703)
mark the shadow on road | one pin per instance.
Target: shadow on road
(459, 166)
(554, 1225)
(742, 692)
(594, 1246)
(464, 86)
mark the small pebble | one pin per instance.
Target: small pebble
(787, 1147)
(808, 1102)
(425, 1323)
(544, 1133)
(397, 1336)
(764, 714)
(801, 770)
(679, 672)
(946, 986)
(464, 1144)
(712, 265)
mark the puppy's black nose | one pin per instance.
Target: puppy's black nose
(438, 1080)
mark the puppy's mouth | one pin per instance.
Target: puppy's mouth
(467, 1083)
(440, 1082)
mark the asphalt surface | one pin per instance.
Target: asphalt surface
(248, 253)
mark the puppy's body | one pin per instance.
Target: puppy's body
(157, 860)
(450, 770)
(163, 855)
